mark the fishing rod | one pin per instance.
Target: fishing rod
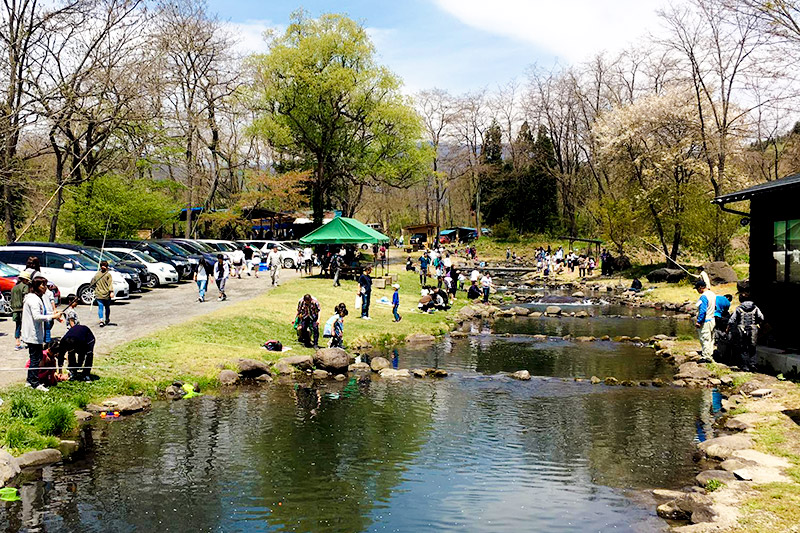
(668, 257)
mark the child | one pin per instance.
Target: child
(744, 324)
(70, 315)
(396, 302)
(334, 327)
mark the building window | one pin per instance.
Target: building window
(786, 250)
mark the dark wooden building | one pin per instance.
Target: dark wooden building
(774, 216)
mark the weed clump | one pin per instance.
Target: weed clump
(56, 419)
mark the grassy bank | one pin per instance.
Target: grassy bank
(196, 350)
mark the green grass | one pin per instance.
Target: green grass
(55, 419)
(714, 484)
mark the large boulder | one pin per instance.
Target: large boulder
(334, 360)
(38, 458)
(8, 467)
(692, 370)
(522, 375)
(251, 369)
(379, 363)
(722, 476)
(669, 275)
(552, 310)
(124, 404)
(698, 506)
(301, 362)
(391, 373)
(724, 447)
(521, 311)
(720, 272)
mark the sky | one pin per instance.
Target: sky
(463, 45)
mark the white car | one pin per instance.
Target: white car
(290, 257)
(219, 246)
(158, 273)
(71, 271)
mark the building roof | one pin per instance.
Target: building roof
(761, 188)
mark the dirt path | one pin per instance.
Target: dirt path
(144, 313)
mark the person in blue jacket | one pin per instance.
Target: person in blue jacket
(396, 302)
(424, 261)
(705, 319)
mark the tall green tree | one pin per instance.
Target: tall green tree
(325, 105)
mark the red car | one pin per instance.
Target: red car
(8, 277)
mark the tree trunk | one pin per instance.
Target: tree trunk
(316, 194)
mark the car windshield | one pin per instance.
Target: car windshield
(159, 248)
(227, 247)
(7, 271)
(176, 249)
(203, 247)
(97, 255)
(144, 257)
(85, 262)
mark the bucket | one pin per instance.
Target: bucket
(262, 267)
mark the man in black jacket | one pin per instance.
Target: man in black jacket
(365, 288)
(78, 344)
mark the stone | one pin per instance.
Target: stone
(420, 338)
(726, 380)
(605, 338)
(723, 447)
(82, 416)
(359, 367)
(521, 311)
(522, 375)
(582, 314)
(734, 463)
(340, 377)
(669, 275)
(68, 447)
(627, 383)
(578, 294)
(736, 424)
(8, 467)
(283, 368)
(38, 458)
(334, 360)
(467, 313)
(301, 362)
(611, 381)
(391, 373)
(436, 372)
(535, 314)
(228, 377)
(761, 459)
(761, 393)
(250, 368)
(666, 494)
(418, 373)
(658, 382)
(320, 374)
(585, 339)
(124, 404)
(552, 310)
(698, 506)
(720, 272)
(692, 371)
(458, 334)
(723, 476)
(595, 380)
(622, 338)
(671, 511)
(379, 363)
(761, 475)
(678, 383)
(264, 378)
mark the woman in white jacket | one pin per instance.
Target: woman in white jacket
(34, 316)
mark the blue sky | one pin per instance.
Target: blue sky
(464, 45)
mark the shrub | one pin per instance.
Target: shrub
(56, 419)
(20, 437)
(714, 484)
(505, 232)
(23, 407)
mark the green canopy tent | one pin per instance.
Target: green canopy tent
(343, 230)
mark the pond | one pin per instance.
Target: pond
(476, 451)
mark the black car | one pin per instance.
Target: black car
(132, 275)
(159, 253)
(209, 254)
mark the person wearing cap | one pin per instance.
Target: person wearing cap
(705, 319)
(17, 298)
(103, 285)
(34, 316)
(396, 302)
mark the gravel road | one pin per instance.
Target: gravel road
(142, 314)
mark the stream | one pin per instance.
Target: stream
(476, 451)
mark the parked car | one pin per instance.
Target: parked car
(158, 273)
(177, 249)
(70, 270)
(8, 278)
(223, 247)
(131, 275)
(210, 254)
(156, 251)
(290, 257)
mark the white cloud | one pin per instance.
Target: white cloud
(249, 35)
(569, 29)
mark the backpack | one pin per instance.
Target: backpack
(273, 346)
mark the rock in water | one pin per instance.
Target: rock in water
(301, 362)
(228, 377)
(722, 476)
(595, 380)
(611, 381)
(379, 363)
(250, 368)
(521, 311)
(522, 375)
(320, 374)
(124, 404)
(391, 373)
(39, 458)
(8, 467)
(334, 360)
(419, 338)
(578, 294)
(552, 310)
(720, 272)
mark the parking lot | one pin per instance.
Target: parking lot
(142, 314)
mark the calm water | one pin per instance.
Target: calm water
(474, 452)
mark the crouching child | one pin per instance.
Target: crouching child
(334, 327)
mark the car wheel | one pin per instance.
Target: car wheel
(152, 281)
(86, 295)
(288, 263)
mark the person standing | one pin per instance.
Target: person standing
(201, 278)
(103, 287)
(274, 261)
(424, 261)
(396, 302)
(17, 298)
(486, 286)
(222, 272)
(238, 258)
(308, 259)
(248, 258)
(336, 268)
(744, 325)
(256, 261)
(705, 319)
(34, 316)
(365, 288)
(308, 310)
